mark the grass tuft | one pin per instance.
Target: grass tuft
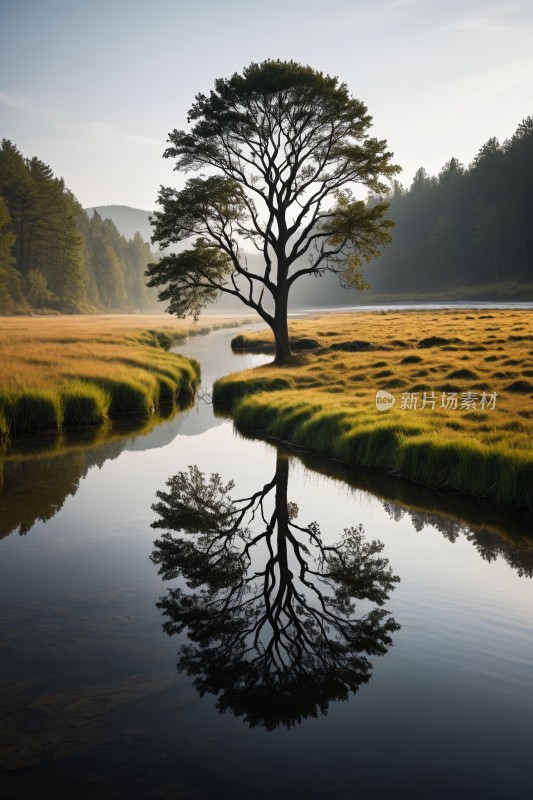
(35, 409)
(85, 403)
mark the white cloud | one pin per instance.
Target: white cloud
(24, 104)
(402, 4)
(104, 129)
(27, 106)
(496, 80)
(492, 20)
(370, 16)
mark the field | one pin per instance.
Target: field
(81, 370)
(462, 383)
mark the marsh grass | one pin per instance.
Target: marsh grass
(85, 403)
(325, 401)
(81, 370)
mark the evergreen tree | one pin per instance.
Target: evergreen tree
(469, 227)
(10, 288)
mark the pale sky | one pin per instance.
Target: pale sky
(93, 88)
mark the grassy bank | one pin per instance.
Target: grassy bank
(81, 370)
(325, 400)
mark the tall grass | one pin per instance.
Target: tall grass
(36, 408)
(81, 370)
(326, 401)
(85, 403)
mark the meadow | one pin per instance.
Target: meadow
(462, 383)
(82, 370)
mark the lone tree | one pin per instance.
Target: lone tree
(282, 147)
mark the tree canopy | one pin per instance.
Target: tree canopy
(278, 152)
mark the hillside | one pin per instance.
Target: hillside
(128, 220)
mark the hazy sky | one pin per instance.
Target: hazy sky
(93, 88)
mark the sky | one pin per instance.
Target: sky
(94, 88)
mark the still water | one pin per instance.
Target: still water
(337, 634)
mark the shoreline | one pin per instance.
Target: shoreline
(324, 402)
(66, 371)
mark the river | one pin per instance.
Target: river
(338, 634)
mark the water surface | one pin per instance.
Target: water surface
(422, 687)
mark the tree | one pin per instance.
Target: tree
(269, 608)
(283, 147)
(48, 247)
(10, 287)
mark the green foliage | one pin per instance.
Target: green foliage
(7, 237)
(37, 291)
(287, 145)
(10, 286)
(189, 278)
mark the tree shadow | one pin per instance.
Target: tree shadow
(269, 609)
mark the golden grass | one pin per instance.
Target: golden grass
(326, 400)
(78, 370)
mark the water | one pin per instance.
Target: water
(96, 700)
(419, 306)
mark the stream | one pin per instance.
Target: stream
(278, 625)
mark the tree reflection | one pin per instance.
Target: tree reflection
(516, 550)
(268, 607)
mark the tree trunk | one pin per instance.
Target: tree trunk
(282, 515)
(280, 328)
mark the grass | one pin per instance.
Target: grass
(325, 400)
(82, 370)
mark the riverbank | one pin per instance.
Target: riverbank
(459, 410)
(502, 292)
(82, 370)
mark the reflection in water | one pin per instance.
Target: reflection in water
(38, 473)
(268, 606)
(517, 553)
(493, 531)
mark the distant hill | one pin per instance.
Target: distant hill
(128, 220)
